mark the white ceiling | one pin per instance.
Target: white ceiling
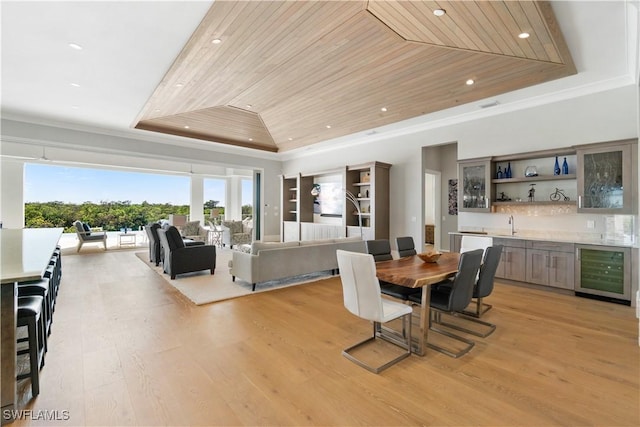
(128, 47)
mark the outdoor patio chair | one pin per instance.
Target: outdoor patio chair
(85, 235)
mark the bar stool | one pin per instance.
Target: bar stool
(44, 289)
(30, 315)
(50, 273)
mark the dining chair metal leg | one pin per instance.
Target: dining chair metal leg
(377, 332)
(481, 308)
(491, 327)
(434, 318)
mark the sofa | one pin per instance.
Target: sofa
(277, 260)
(179, 258)
(237, 232)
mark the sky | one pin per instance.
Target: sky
(47, 183)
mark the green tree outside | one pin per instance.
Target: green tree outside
(111, 216)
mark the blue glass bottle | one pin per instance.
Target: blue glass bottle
(565, 167)
(499, 173)
(556, 168)
(507, 173)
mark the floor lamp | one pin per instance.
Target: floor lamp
(350, 197)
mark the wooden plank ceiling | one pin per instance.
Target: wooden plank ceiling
(288, 74)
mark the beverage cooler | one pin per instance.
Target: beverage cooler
(604, 272)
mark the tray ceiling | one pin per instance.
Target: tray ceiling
(285, 75)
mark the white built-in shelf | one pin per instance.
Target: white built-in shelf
(360, 184)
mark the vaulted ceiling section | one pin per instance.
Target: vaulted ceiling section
(281, 75)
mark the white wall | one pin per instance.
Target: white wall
(604, 116)
(11, 199)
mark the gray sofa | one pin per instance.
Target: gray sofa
(270, 261)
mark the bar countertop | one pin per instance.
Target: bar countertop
(26, 252)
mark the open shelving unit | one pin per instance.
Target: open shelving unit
(368, 182)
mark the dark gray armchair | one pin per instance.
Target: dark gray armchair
(179, 258)
(154, 242)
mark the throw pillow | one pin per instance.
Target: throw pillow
(87, 229)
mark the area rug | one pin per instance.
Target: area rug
(203, 288)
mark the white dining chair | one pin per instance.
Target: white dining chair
(361, 294)
(471, 243)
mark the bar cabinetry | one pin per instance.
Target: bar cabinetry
(550, 264)
(607, 177)
(474, 189)
(513, 260)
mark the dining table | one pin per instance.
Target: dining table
(413, 272)
(24, 256)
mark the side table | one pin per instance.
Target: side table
(127, 239)
(215, 236)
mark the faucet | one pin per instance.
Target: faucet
(512, 224)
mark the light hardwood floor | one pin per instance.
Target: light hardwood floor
(128, 349)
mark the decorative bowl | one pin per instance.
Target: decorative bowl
(429, 256)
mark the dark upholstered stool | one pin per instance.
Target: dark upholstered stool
(41, 288)
(30, 315)
(54, 283)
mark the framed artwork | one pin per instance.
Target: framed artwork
(453, 197)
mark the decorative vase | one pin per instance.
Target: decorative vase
(565, 167)
(556, 167)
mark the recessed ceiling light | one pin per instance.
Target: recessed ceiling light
(523, 35)
(249, 105)
(328, 126)
(383, 109)
(75, 46)
(470, 82)
(216, 41)
(290, 139)
(439, 12)
(179, 85)
(74, 84)
(186, 127)
(250, 139)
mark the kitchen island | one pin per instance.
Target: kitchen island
(25, 255)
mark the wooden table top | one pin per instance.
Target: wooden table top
(412, 272)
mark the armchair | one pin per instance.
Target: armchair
(154, 242)
(86, 235)
(179, 258)
(194, 231)
(236, 233)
